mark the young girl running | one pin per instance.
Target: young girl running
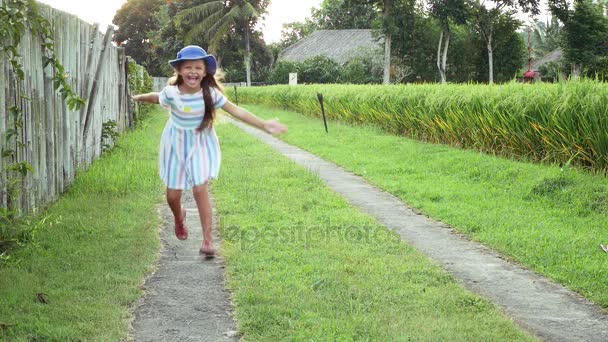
(189, 149)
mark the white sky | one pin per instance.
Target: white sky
(102, 12)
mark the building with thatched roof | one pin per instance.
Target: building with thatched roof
(339, 45)
(534, 73)
(552, 56)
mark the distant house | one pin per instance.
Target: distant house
(552, 56)
(339, 45)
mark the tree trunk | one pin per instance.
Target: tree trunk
(576, 70)
(387, 8)
(387, 59)
(441, 73)
(248, 57)
(444, 58)
(442, 55)
(490, 59)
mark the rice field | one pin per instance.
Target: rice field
(563, 123)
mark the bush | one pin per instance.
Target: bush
(320, 69)
(281, 70)
(140, 82)
(234, 75)
(600, 69)
(365, 66)
(552, 70)
(361, 70)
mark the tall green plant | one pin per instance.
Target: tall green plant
(140, 82)
(554, 123)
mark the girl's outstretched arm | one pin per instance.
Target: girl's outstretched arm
(269, 126)
(149, 97)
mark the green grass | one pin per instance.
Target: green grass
(550, 220)
(91, 250)
(304, 265)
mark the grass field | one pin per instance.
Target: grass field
(90, 252)
(548, 218)
(301, 263)
(304, 265)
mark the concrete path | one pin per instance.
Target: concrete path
(185, 298)
(545, 309)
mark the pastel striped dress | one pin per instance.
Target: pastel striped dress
(188, 157)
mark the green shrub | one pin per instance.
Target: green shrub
(281, 70)
(600, 69)
(361, 70)
(319, 69)
(140, 82)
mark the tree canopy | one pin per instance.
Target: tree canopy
(424, 41)
(345, 14)
(136, 21)
(216, 19)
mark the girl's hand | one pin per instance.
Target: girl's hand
(148, 98)
(274, 127)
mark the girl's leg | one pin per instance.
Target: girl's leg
(174, 199)
(201, 196)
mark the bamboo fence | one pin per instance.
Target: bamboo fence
(56, 141)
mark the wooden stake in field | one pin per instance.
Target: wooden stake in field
(320, 97)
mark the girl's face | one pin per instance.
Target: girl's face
(192, 72)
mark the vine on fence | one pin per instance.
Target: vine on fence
(16, 18)
(140, 82)
(109, 134)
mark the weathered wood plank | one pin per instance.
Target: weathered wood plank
(106, 45)
(3, 122)
(57, 141)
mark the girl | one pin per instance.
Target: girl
(189, 149)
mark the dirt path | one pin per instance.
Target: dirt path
(185, 298)
(544, 308)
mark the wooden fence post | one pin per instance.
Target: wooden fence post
(93, 94)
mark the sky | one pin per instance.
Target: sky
(102, 12)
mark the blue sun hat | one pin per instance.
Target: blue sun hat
(194, 52)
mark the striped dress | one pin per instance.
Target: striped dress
(188, 157)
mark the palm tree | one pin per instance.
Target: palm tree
(215, 19)
(546, 36)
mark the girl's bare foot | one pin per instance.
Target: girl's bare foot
(207, 249)
(181, 232)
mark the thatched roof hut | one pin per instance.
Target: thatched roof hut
(339, 45)
(552, 56)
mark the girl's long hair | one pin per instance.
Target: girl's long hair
(208, 82)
